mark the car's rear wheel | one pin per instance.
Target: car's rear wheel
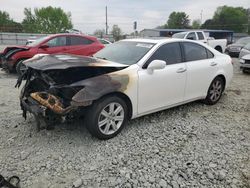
(107, 117)
(20, 67)
(215, 91)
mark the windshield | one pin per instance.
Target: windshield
(179, 35)
(247, 46)
(124, 52)
(243, 40)
(38, 41)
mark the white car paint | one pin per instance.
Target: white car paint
(175, 84)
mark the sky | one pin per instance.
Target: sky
(88, 16)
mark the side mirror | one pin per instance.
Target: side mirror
(43, 46)
(156, 65)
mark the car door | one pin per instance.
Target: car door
(201, 66)
(55, 45)
(163, 87)
(201, 37)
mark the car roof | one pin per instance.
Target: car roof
(72, 34)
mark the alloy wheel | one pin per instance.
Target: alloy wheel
(216, 90)
(111, 118)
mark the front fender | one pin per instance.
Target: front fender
(95, 88)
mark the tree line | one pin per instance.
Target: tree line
(55, 20)
(236, 19)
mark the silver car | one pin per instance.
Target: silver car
(245, 51)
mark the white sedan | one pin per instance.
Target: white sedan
(125, 80)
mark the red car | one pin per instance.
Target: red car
(12, 57)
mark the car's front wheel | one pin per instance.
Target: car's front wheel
(107, 117)
(215, 91)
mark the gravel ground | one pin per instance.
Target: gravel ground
(193, 145)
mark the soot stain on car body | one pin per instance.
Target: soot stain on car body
(68, 85)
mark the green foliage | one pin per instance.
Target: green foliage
(230, 18)
(7, 24)
(46, 20)
(178, 20)
(116, 32)
(196, 24)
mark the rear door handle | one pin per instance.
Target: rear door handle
(213, 64)
(181, 70)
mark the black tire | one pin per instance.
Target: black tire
(218, 48)
(20, 67)
(94, 117)
(215, 91)
(246, 71)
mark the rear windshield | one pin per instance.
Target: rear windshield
(243, 40)
(179, 35)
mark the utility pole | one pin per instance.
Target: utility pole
(201, 15)
(106, 20)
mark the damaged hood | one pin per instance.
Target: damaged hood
(63, 61)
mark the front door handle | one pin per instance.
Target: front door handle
(181, 70)
(213, 64)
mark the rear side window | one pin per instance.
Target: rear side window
(200, 36)
(75, 40)
(209, 54)
(171, 53)
(194, 51)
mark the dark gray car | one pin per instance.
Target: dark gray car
(234, 49)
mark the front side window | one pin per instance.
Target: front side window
(57, 41)
(194, 52)
(191, 36)
(171, 53)
(77, 40)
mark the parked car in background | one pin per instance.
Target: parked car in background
(12, 57)
(245, 63)
(217, 44)
(104, 41)
(245, 50)
(234, 49)
(125, 80)
(30, 40)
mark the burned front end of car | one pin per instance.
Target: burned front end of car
(60, 88)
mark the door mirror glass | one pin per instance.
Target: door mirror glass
(156, 65)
